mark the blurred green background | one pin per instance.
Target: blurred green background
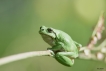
(19, 25)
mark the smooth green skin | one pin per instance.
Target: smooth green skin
(65, 50)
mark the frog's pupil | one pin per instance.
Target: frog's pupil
(49, 30)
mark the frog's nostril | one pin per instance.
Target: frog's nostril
(41, 27)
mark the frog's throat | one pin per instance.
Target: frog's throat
(42, 34)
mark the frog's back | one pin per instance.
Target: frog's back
(64, 37)
(67, 40)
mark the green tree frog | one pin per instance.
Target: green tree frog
(64, 48)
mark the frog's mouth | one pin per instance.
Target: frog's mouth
(46, 35)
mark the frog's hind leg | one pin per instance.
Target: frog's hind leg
(64, 60)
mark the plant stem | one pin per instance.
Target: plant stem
(21, 56)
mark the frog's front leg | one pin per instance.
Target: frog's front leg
(65, 60)
(77, 44)
(58, 46)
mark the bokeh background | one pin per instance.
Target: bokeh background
(19, 25)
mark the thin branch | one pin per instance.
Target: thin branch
(25, 55)
(92, 52)
(96, 35)
(100, 47)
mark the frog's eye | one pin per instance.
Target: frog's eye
(49, 30)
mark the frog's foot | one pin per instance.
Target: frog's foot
(51, 53)
(49, 49)
(80, 45)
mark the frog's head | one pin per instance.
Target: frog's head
(47, 31)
